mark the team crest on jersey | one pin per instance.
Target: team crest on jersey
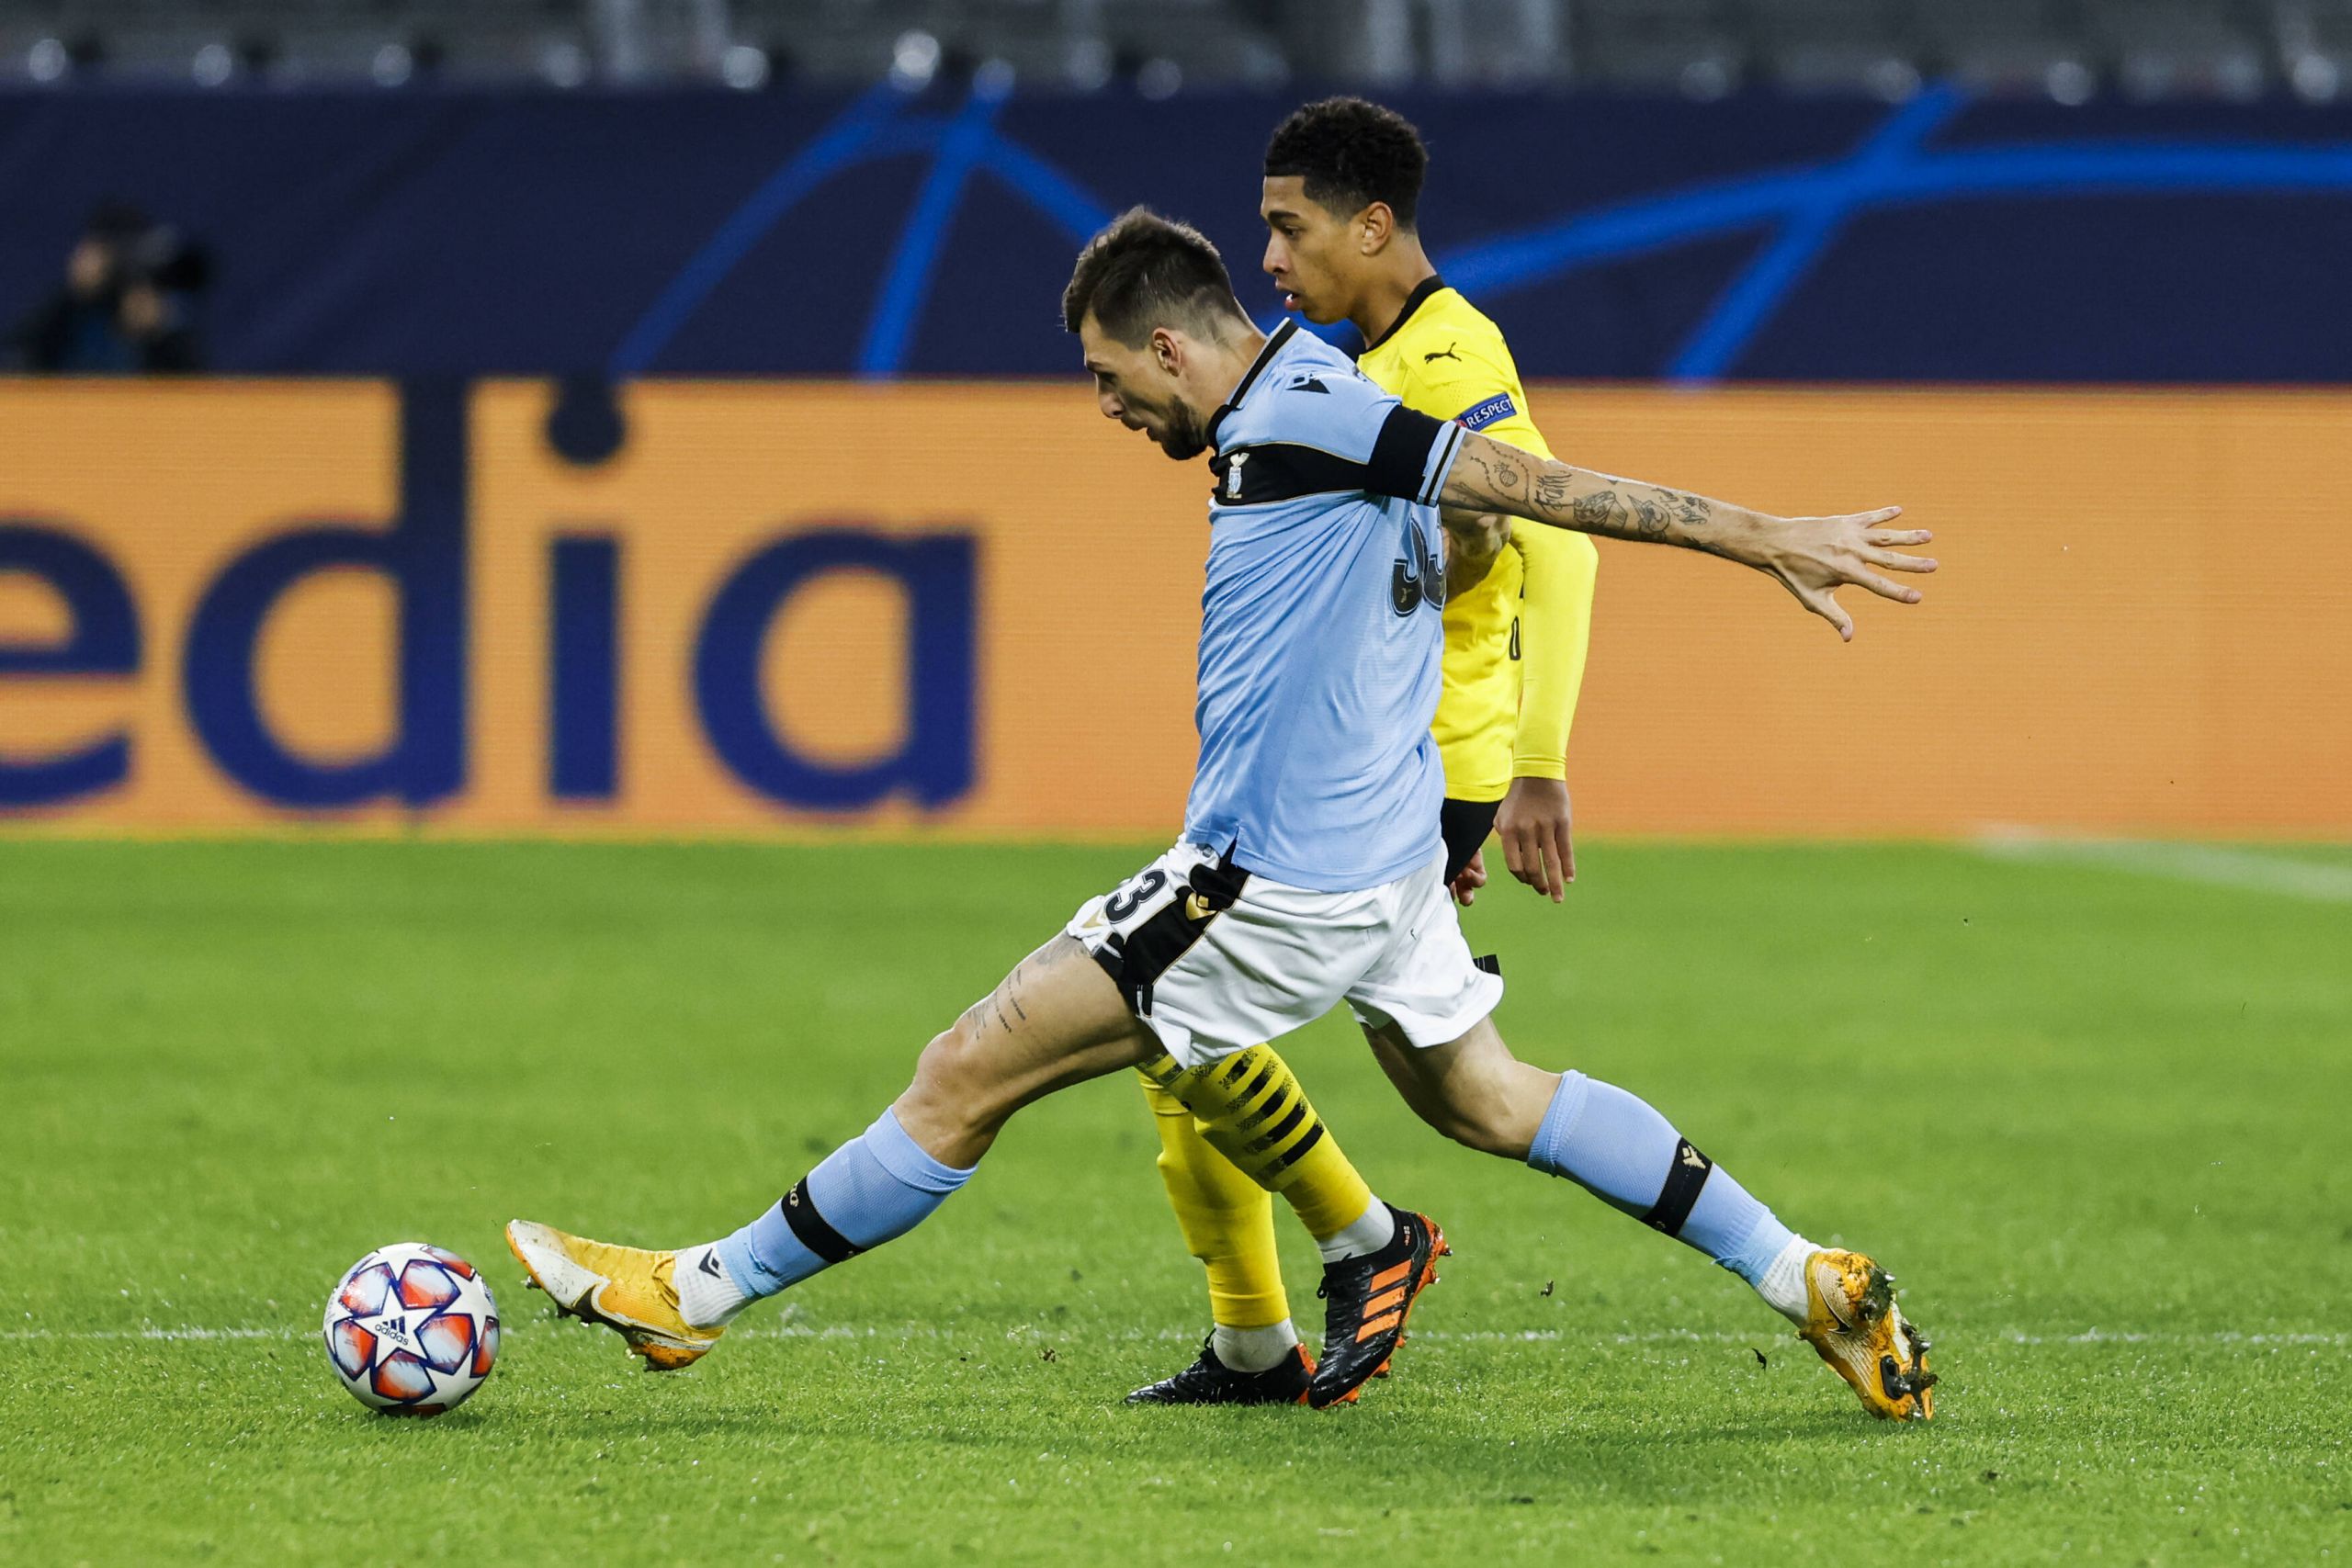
(1418, 576)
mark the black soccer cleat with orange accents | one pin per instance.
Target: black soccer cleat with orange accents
(1367, 1301)
(1210, 1382)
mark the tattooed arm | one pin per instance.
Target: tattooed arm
(1810, 557)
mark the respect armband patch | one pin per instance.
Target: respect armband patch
(1497, 407)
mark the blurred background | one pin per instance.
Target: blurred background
(2068, 50)
(555, 421)
(653, 415)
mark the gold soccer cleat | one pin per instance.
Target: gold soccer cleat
(627, 1289)
(1852, 1319)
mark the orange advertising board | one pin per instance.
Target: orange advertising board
(232, 605)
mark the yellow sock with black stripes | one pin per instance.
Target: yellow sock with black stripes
(1251, 1109)
(1229, 1225)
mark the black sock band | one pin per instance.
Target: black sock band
(1684, 1179)
(815, 1232)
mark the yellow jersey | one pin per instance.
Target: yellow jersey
(1515, 643)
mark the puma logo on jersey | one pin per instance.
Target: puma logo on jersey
(1445, 352)
(1310, 383)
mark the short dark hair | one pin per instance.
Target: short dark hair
(1145, 271)
(1351, 154)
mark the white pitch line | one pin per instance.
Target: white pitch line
(188, 1333)
(2319, 881)
(911, 1333)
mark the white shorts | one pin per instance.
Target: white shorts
(1214, 959)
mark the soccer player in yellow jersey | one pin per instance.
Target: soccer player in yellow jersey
(1518, 611)
(1343, 180)
(1320, 670)
(1518, 607)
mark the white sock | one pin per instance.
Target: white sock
(1783, 1286)
(707, 1294)
(1372, 1229)
(1254, 1350)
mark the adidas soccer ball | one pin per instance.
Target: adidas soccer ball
(411, 1330)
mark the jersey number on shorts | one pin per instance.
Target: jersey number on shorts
(1128, 900)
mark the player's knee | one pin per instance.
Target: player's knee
(951, 1073)
(949, 1059)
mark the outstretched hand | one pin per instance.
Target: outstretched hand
(1535, 826)
(1814, 556)
(1471, 877)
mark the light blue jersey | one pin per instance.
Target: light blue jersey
(1320, 630)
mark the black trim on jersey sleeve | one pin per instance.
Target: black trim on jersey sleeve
(1441, 463)
(1281, 470)
(1411, 456)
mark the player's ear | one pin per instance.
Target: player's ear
(1167, 349)
(1376, 225)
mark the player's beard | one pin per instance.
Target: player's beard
(1185, 438)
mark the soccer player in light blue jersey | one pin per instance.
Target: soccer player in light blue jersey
(1310, 867)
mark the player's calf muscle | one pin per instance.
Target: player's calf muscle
(1473, 1090)
(1055, 1020)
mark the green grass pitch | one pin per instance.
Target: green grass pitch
(2095, 1120)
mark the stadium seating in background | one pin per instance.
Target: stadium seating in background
(2181, 47)
(2315, 46)
(837, 40)
(1658, 45)
(2022, 46)
(1165, 43)
(1845, 46)
(2065, 49)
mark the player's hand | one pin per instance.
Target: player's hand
(1473, 542)
(1534, 825)
(1814, 556)
(1471, 877)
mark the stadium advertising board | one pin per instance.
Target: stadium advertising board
(238, 606)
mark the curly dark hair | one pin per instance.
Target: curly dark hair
(1146, 271)
(1351, 153)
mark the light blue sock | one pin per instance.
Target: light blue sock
(1619, 1148)
(878, 1184)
